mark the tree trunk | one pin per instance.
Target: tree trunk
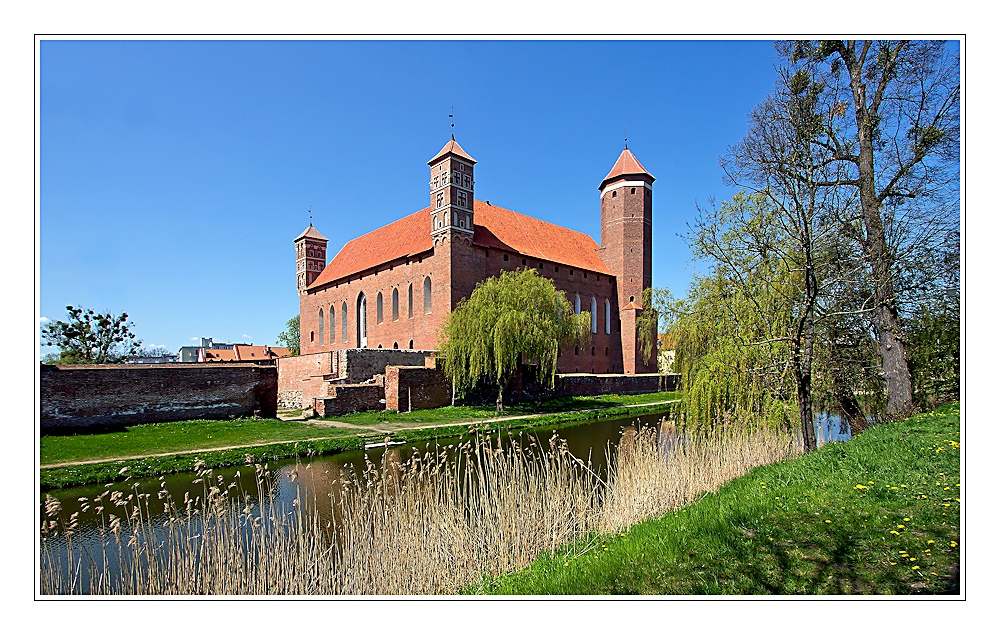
(802, 360)
(888, 326)
(500, 399)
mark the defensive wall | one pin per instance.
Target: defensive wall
(81, 397)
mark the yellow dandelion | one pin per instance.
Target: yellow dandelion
(900, 526)
(954, 544)
(871, 482)
(566, 565)
(930, 542)
(828, 521)
(859, 486)
(892, 563)
(906, 520)
(916, 567)
(913, 559)
(894, 532)
(932, 573)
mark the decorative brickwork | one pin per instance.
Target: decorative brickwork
(85, 397)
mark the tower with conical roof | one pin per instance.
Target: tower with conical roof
(310, 257)
(627, 247)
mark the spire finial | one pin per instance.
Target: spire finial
(452, 117)
(310, 215)
(626, 137)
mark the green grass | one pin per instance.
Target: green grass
(287, 439)
(466, 414)
(877, 515)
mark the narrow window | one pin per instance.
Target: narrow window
(312, 336)
(633, 190)
(576, 350)
(607, 351)
(505, 257)
(409, 301)
(593, 351)
(378, 308)
(321, 326)
(576, 304)
(607, 316)
(343, 322)
(593, 315)
(427, 295)
(333, 328)
(362, 313)
(395, 304)
(411, 344)
(395, 344)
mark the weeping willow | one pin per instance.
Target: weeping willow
(731, 348)
(517, 316)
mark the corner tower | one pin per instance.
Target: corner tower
(627, 247)
(452, 187)
(310, 257)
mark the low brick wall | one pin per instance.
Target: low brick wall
(579, 385)
(300, 377)
(110, 396)
(362, 364)
(416, 388)
(346, 398)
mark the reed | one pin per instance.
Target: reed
(429, 525)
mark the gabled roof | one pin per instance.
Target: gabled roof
(452, 147)
(216, 355)
(495, 228)
(310, 232)
(626, 164)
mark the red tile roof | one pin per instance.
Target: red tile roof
(495, 228)
(254, 353)
(626, 164)
(453, 147)
(216, 355)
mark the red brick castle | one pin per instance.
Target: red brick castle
(393, 287)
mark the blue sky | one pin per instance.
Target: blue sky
(175, 174)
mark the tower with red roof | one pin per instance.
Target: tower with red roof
(627, 247)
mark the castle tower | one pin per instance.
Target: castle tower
(310, 257)
(627, 247)
(452, 186)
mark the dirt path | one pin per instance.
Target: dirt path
(386, 428)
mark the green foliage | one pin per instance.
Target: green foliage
(934, 351)
(290, 336)
(517, 317)
(646, 324)
(92, 338)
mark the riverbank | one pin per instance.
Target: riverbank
(164, 448)
(879, 514)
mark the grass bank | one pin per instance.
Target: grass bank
(180, 445)
(877, 515)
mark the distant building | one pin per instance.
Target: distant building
(243, 353)
(153, 359)
(190, 353)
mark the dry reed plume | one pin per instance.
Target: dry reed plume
(429, 525)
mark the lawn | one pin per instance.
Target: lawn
(876, 515)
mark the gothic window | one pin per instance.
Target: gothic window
(607, 316)
(333, 328)
(321, 326)
(395, 304)
(593, 315)
(576, 304)
(378, 308)
(427, 295)
(409, 302)
(343, 322)
(362, 313)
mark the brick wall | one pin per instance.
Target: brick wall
(416, 388)
(346, 398)
(85, 396)
(582, 385)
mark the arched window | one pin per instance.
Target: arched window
(593, 315)
(409, 301)
(576, 350)
(395, 344)
(362, 313)
(333, 326)
(321, 326)
(607, 351)
(411, 344)
(343, 322)
(607, 316)
(576, 304)
(593, 351)
(395, 304)
(427, 295)
(378, 308)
